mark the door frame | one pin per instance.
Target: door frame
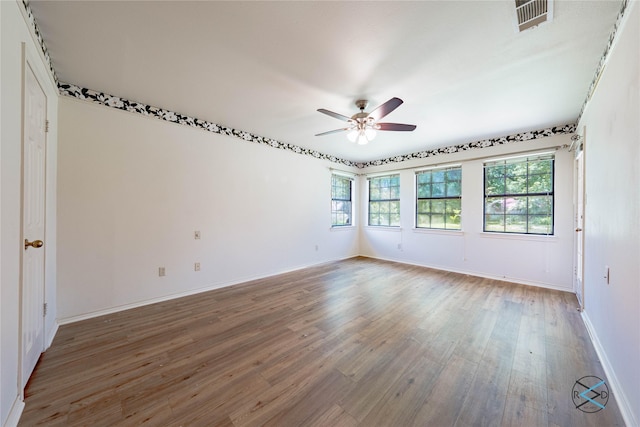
(28, 62)
(579, 161)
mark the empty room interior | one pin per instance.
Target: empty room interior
(318, 213)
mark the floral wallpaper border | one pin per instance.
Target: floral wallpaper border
(170, 116)
(604, 58)
(36, 31)
(519, 137)
(136, 107)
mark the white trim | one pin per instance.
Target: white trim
(383, 228)
(14, 413)
(612, 380)
(343, 174)
(443, 231)
(379, 174)
(98, 313)
(478, 274)
(519, 236)
(520, 156)
(343, 227)
(51, 335)
(436, 167)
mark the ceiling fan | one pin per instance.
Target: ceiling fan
(363, 126)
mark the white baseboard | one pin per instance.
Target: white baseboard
(51, 335)
(15, 413)
(111, 310)
(479, 274)
(612, 379)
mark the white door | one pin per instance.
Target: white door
(579, 224)
(33, 212)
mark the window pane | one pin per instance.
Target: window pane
(437, 221)
(382, 192)
(516, 184)
(395, 220)
(423, 221)
(424, 206)
(424, 178)
(527, 211)
(454, 174)
(453, 189)
(540, 205)
(540, 224)
(424, 190)
(439, 198)
(394, 207)
(494, 222)
(516, 205)
(540, 183)
(437, 206)
(516, 223)
(437, 189)
(494, 180)
(374, 193)
(437, 176)
(494, 205)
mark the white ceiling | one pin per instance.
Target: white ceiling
(265, 67)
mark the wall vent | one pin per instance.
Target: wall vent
(531, 13)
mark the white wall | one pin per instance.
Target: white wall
(539, 260)
(13, 32)
(612, 216)
(133, 189)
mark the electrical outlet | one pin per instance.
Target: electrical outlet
(316, 248)
(399, 246)
(196, 235)
(196, 266)
(161, 271)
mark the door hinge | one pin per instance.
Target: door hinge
(44, 310)
(46, 126)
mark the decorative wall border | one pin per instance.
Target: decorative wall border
(170, 116)
(518, 137)
(173, 117)
(40, 39)
(605, 57)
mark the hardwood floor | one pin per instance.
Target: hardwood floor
(352, 343)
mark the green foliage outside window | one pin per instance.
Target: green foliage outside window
(439, 198)
(384, 201)
(519, 195)
(340, 201)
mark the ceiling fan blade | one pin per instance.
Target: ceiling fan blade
(395, 126)
(332, 131)
(385, 108)
(334, 115)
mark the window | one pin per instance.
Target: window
(439, 198)
(384, 201)
(341, 200)
(518, 195)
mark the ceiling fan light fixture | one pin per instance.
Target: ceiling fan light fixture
(362, 138)
(353, 135)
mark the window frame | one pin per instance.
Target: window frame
(334, 199)
(380, 200)
(444, 197)
(528, 159)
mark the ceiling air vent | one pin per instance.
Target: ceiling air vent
(530, 13)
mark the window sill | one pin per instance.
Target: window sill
(517, 236)
(342, 228)
(383, 228)
(442, 231)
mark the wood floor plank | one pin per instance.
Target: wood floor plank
(359, 342)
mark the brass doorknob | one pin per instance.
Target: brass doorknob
(34, 244)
